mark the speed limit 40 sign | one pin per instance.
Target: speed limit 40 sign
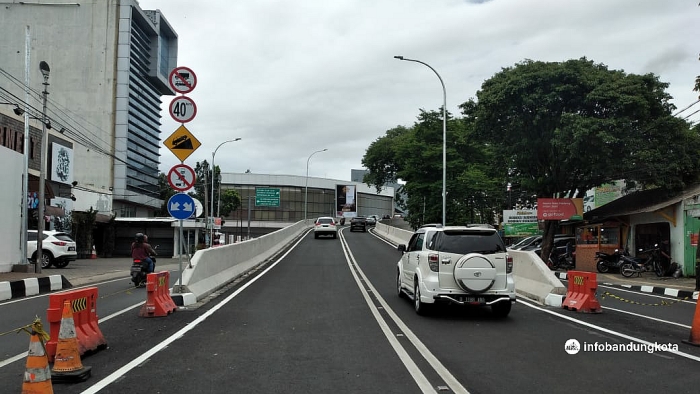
(183, 109)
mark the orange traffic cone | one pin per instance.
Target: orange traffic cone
(695, 328)
(94, 253)
(37, 377)
(67, 367)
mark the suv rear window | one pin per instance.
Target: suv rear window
(325, 221)
(63, 237)
(463, 242)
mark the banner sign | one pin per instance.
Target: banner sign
(560, 208)
(520, 223)
(345, 201)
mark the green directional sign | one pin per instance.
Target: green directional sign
(267, 197)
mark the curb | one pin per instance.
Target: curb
(33, 286)
(660, 290)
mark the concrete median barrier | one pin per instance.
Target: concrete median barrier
(211, 269)
(534, 280)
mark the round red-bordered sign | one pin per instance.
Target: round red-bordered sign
(183, 109)
(182, 79)
(181, 177)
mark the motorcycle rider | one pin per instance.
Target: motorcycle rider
(142, 250)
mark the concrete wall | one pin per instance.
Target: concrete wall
(212, 268)
(11, 208)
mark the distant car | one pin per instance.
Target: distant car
(58, 248)
(358, 223)
(325, 225)
(386, 217)
(371, 221)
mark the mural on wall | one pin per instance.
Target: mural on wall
(61, 163)
(62, 223)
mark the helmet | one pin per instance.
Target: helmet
(139, 237)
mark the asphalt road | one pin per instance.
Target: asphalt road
(326, 318)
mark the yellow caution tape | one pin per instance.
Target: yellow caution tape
(662, 303)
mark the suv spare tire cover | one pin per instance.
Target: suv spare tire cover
(474, 273)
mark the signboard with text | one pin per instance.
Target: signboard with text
(520, 223)
(267, 197)
(345, 201)
(559, 208)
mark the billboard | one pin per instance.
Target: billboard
(346, 202)
(520, 223)
(560, 208)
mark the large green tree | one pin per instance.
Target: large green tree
(414, 155)
(564, 127)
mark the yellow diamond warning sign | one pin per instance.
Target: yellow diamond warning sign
(182, 143)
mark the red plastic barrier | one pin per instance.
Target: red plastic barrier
(84, 304)
(158, 300)
(581, 294)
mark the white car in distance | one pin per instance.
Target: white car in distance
(325, 225)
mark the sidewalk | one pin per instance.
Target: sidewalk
(77, 273)
(682, 287)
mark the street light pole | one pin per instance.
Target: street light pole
(213, 155)
(306, 187)
(444, 135)
(45, 70)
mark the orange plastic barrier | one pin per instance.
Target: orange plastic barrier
(695, 328)
(158, 300)
(581, 294)
(84, 306)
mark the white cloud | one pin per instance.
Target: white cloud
(291, 78)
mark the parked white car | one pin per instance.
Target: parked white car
(456, 264)
(58, 248)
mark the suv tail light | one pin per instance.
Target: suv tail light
(59, 243)
(509, 264)
(433, 261)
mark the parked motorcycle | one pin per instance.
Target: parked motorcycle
(562, 261)
(608, 261)
(634, 265)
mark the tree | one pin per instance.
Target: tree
(569, 126)
(230, 201)
(165, 191)
(414, 155)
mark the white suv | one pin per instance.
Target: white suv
(456, 264)
(58, 248)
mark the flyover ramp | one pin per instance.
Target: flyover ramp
(210, 269)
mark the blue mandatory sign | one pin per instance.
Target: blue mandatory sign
(181, 206)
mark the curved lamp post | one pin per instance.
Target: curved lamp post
(213, 155)
(444, 134)
(306, 187)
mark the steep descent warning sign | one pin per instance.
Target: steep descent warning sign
(182, 143)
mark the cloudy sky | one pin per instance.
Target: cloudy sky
(294, 77)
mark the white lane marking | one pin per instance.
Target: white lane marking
(179, 334)
(413, 369)
(441, 370)
(647, 317)
(609, 331)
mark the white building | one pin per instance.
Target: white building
(109, 66)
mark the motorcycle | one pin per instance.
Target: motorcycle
(607, 261)
(563, 261)
(139, 271)
(634, 265)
